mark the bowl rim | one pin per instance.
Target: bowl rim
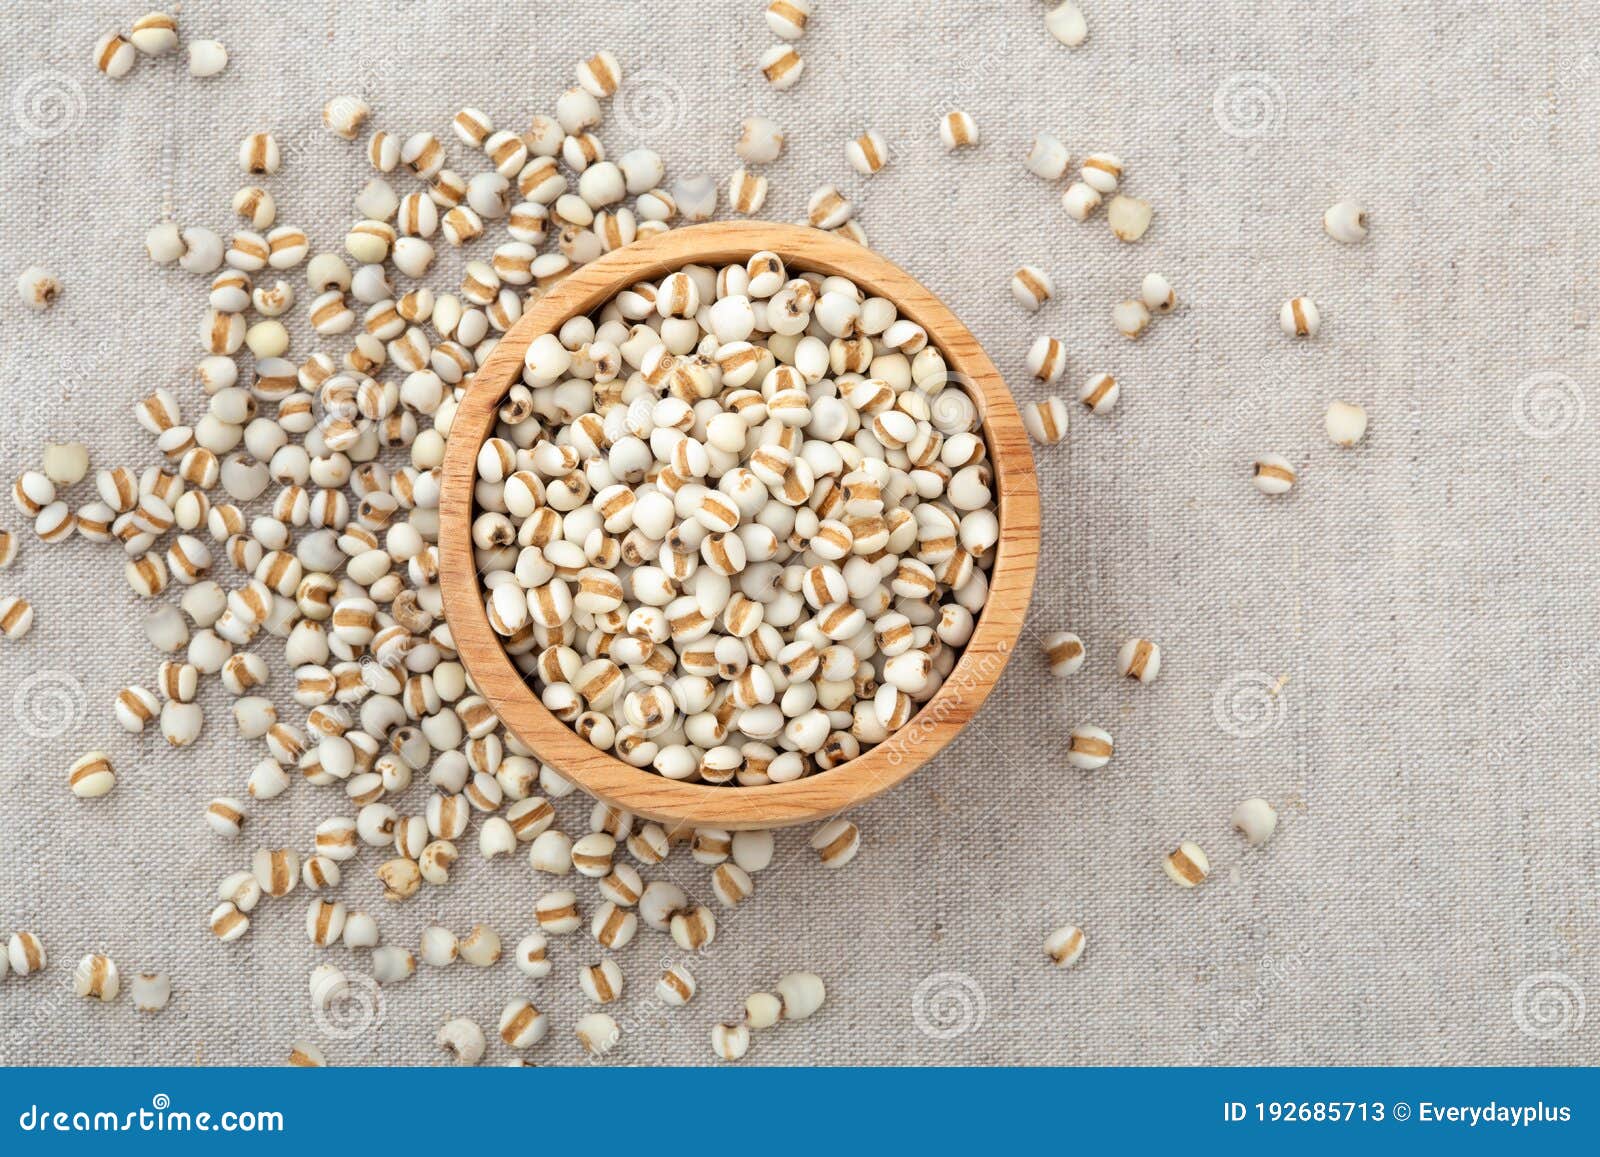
(644, 792)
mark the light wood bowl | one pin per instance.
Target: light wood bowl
(643, 792)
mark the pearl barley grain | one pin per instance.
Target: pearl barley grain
(1156, 293)
(207, 57)
(1299, 317)
(1089, 748)
(601, 983)
(693, 928)
(1046, 421)
(1064, 652)
(868, 153)
(242, 890)
(760, 141)
(55, 523)
(91, 776)
(225, 816)
(305, 1055)
(1032, 287)
(38, 287)
(344, 116)
(600, 75)
(1345, 221)
(836, 842)
(360, 931)
(164, 243)
(551, 853)
(1047, 359)
(1099, 393)
(228, 923)
(1064, 946)
(155, 34)
(496, 838)
(827, 208)
(481, 947)
(1346, 423)
(613, 927)
(730, 1042)
(676, 987)
(1080, 200)
(752, 850)
(557, 913)
(324, 922)
(747, 192)
(522, 1025)
(392, 964)
(531, 956)
(96, 978)
(440, 947)
(1256, 820)
(1129, 218)
(65, 463)
(787, 18)
(597, 1033)
(731, 885)
(1047, 158)
(1186, 865)
(114, 56)
(1273, 474)
(957, 130)
(1065, 22)
(782, 66)
(1131, 317)
(151, 991)
(16, 617)
(801, 994)
(25, 953)
(1102, 172)
(623, 886)
(463, 1039)
(1139, 659)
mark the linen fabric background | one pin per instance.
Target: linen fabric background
(1401, 655)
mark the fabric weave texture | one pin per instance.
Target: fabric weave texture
(1401, 654)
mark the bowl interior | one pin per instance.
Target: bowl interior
(644, 792)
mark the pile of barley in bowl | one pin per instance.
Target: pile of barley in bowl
(736, 526)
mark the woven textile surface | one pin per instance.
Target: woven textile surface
(1401, 655)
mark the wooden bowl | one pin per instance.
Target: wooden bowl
(643, 792)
